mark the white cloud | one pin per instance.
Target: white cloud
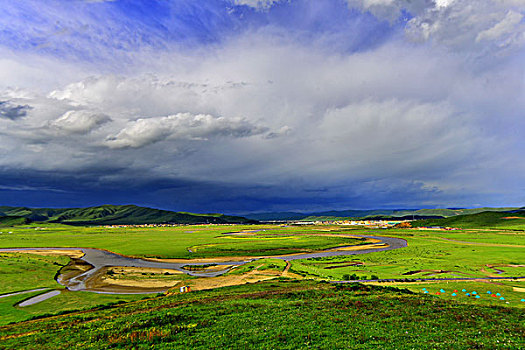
(258, 4)
(507, 25)
(443, 3)
(391, 9)
(182, 126)
(461, 25)
(79, 121)
(484, 26)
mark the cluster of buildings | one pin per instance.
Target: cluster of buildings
(141, 225)
(365, 223)
(162, 225)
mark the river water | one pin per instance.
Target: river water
(98, 259)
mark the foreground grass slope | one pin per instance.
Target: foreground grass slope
(278, 314)
(116, 215)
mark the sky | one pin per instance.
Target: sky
(240, 106)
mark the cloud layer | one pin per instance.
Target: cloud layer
(386, 104)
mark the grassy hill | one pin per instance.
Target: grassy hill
(278, 315)
(6, 221)
(373, 214)
(115, 215)
(503, 220)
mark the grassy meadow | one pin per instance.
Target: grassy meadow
(301, 310)
(186, 242)
(20, 272)
(281, 314)
(429, 254)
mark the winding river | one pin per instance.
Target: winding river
(99, 259)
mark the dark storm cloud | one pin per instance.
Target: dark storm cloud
(45, 189)
(253, 105)
(13, 111)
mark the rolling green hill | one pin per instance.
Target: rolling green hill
(373, 214)
(6, 221)
(115, 215)
(504, 220)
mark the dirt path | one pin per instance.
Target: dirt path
(231, 280)
(76, 253)
(286, 269)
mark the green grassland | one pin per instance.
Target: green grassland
(432, 254)
(512, 298)
(257, 245)
(262, 264)
(173, 242)
(463, 253)
(65, 302)
(279, 314)
(20, 272)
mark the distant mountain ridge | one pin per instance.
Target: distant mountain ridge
(115, 215)
(374, 214)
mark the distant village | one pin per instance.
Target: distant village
(366, 223)
(372, 224)
(163, 225)
(382, 224)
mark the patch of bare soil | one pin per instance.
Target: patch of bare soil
(231, 280)
(138, 271)
(77, 254)
(359, 247)
(206, 269)
(131, 280)
(286, 272)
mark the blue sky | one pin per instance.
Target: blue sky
(262, 105)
